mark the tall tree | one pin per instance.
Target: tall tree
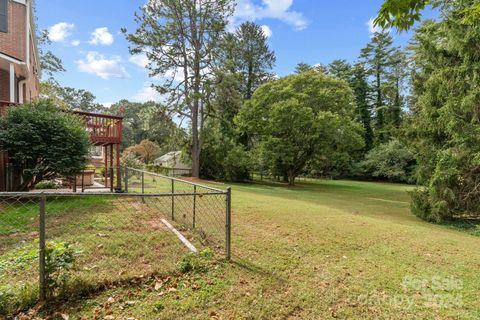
(445, 126)
(399, 71)
(361, 89)
(299, 118)
(254, 58)
(340, 69)
(303, 67)
(376, 57)
(179, 37)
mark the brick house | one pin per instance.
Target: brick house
(19, 65)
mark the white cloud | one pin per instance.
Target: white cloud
(147, 93)
(267, 31)
(99, 65)
(101, 36)
(372, 28)
(246, 10)
(107, 104)
(140, 60)
(60, 31)
(75, 43)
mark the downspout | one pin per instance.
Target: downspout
(12, 83)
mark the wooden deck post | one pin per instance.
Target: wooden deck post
(105, 158)
(111, 168)
(119, 174)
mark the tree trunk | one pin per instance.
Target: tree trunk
(291, 179)
(195, 142)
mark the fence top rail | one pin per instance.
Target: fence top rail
(178, 180)
(112, 194)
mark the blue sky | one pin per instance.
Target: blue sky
(86, 36)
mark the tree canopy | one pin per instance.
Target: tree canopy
(300, 117)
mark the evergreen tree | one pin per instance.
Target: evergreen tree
(254, 59)
(376, 57)
(340, 69)
(361, 88)
(395, 86)
(302, 67)
(446, 122)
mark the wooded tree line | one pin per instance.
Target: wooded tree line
(397, 114)
(214, 79)
(403, 114)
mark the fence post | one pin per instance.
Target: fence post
(143, 182)
(173, 200)
(228, 224)
(126, 179)
(42, 275)
(194, 204)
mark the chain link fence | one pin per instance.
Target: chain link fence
(59, 244)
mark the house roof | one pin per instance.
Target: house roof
(169, 156)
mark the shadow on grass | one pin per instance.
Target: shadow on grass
(467, 225)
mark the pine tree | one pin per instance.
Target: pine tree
(376, 57)
(445, 123)
(253, 57)
(395, 86)
(340, 69)
(360, 86)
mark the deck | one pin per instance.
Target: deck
(103, 129)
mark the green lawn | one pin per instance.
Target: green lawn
(326, 249)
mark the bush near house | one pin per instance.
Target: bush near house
(43, 142)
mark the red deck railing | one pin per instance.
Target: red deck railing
(103, 129)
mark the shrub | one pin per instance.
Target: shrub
(46, 185)
(44, 142)
(391, 161)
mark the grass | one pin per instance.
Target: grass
(320, 250)
(119, 239)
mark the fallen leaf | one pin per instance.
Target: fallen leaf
(158, 286)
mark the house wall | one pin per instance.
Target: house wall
(13, 43)
(32, 87)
